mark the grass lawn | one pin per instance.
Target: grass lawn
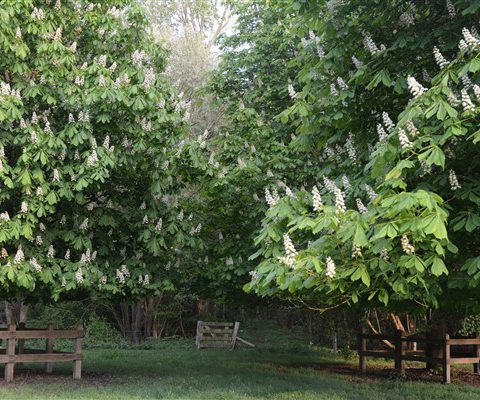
(171, 369)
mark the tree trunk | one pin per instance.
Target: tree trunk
(438, 329)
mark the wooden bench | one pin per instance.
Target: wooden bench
(15, 352)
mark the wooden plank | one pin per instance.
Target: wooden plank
(234, 334)
(215, 345)
(77, 364)
(21, 343)
(362, 348)
(204, 339)
(465, 342)
(245, 342)
(217, 331)
(49, 349)
(52, 357)
(476, 366)
(197, 338)
(464, 360)
(371, 336)
(399, 353)
(10, 352)
(203, 323)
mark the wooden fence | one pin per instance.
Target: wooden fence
(216, 335)
(446, 356)
(16, 353)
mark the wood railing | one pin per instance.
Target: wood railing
(16, 353)
(216, 335)
(400, 353)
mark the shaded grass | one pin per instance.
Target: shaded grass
(281, 367)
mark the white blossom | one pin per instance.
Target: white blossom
(19, 256)
(24, 207)
(79, 276)
(387, 121)
(471, 41)
(331, 269)
(290, 251)
(452, 178)
(467, 102)
(406, 246)
(36, 266)
(372, 195)
(356, 250)
(67, 255)
(291, 91)
(439, 58)
(84, 225)
(415, 88)
(51, 252)
(361, 207)
(316, 199)
(339, 201)
(369, 44)
(358, 64)
(404, 140)
(272, 198)
(382, 135)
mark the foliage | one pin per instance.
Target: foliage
(392, 221)
(90, 152)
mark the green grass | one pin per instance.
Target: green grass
(172, 369)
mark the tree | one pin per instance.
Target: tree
(388, 221)
(90, 133)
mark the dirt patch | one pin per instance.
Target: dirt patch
(377, 373)
(25, 376)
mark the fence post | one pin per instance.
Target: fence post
(399, 352)
(77, 364)
(49, 349)
(21, 342)
(446, 360)
(199, 333)
(476, 366)
(10, 364)
(362, 348)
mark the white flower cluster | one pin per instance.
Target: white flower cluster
(144, 281)
(347, 186)
(158, 227)
(229, 261)
(469, 41)
(24, 207)
(387, 121)
(4, 216)
(467, 104)
(92, 159)
(404, 140)
(37, 13)
(412, 129)
(290, 251)
(451, 9)
(406, 246)
(476, 90)
(452, 178)
(196, 229)
(6, 90)
(341, 83)
(79, 276)
(19, 256)
(339, 201)
(18, 33)
(384, 254)
(369, 44)
(180, 215)
(122, 80)
(138, 57)
(36, 266)
(291, 91)
(439, 58)
(272, 197)
(349, 146)
(67, 255)
(372, 195)
(331, 269)
(84, 225)
(333, 90)
(84, 116)
(103, 280)
(382, 135)
(361, 207)
(358, 64)
(316, 199)
(149, 79)
(415, 88)
(51, 252)
(114, 12)
(356, 250)
(79, 80)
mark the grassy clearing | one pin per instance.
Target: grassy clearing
(280, 368)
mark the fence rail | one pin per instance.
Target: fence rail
(16, 353)
(400, 353)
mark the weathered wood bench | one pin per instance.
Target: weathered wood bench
(16, 353)
(223, 335)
